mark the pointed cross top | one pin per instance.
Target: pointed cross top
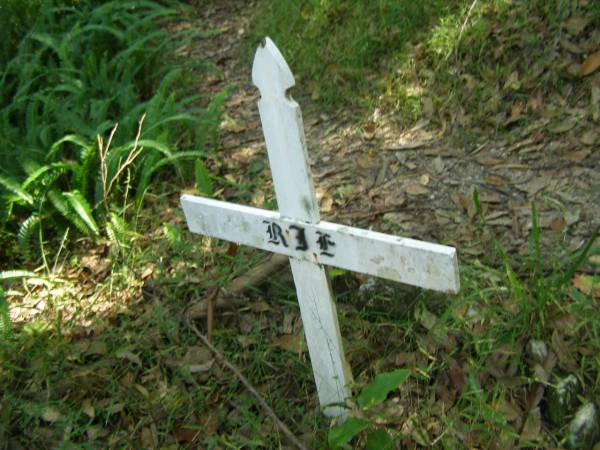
(270, 72)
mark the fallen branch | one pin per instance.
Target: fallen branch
(229, 298)
(267, 409)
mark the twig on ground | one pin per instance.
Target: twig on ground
(209, 312)
(267, 409)
(229, 298)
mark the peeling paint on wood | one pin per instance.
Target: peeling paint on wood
(409, 261)
(297, 231)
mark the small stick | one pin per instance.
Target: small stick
(227, 298)
(282, 426)
(209, 313)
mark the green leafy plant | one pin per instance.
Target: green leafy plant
(371, 395)
(541, 284)
(5, 324)
(80, 72)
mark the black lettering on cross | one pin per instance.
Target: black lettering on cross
(325, 242)
(275, 233)
(300, 237)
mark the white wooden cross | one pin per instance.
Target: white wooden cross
(297, 231)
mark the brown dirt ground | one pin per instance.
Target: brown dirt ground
(371, 172)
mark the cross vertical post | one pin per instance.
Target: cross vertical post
(297, 231)
(284, 136)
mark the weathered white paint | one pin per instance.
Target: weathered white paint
(296, 231)
(409, 261)
(284, 136)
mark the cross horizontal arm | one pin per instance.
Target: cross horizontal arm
(409, 261)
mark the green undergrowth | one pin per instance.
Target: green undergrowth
(110, 361)
(16, 17)
(95, 351)
(91, 110)
(481, 66)
(337, 48)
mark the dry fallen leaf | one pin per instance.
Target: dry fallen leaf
(199, 368)
(456, 375)
(95, 432)
(534, 186)
(186, 435)
(326, 204)
(291, 342)
(416, 189)
(88, 409)
(426, 318)
(231, 125)
(588, 284)
(146, 438)
(558, 224)
(462, 202)
(487, 161)
(576, 24)
(562, 126)
(532, 427)
(129, 356)
(115, 408)
(364, 161)
(511, 411)
(438, 165)
(513, 82)
(595, 102)
(194, 432)
(591, 63)
(589, 137)
(97, 347)
(369, 131)
(147, 272)
(495, 180)
(515, 113)
(579, 155)
(51, 414)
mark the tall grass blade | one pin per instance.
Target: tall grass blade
(5, 323)
(581, 257)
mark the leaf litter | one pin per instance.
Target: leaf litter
(544, 152)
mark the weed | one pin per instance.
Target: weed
(80, 70)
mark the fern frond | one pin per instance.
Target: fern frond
(54, 169)
(57, 146)
(87, 170)
(5, 323)
(15, 274)
(26, 231)
(112, 236)
(63, 205)
(13, 186)
(83, 209)
(6, 208)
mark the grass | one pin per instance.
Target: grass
(90, 114)
(97, 354)
(462, 65)
(130, 365)
(337, 47)
(124, 375)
